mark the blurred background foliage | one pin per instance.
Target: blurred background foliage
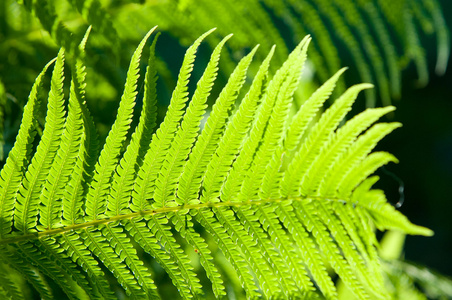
(402, 46)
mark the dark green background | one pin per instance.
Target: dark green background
(424, 147)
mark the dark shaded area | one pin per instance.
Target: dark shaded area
(424, 147)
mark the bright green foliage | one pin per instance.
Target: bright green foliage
(108, 159)
(405, 280)
(249, 203)
(39, 168)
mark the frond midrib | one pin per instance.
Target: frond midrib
(163, 210)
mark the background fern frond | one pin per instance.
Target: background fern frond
(380, 48)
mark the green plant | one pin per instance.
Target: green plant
(378, 39)
(264, 202)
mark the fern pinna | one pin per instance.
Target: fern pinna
(254, 204)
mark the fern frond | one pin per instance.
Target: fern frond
(47, 250)
(385, 216)
(329, 247)
(33, 255)
(266, 276)
(266, 214)
(148, 119)
(281, 198)
(308, 253)
(124, 248)
(217, 168)
(165, 236)
(308, 111)
(256, 179)
(99, 246)
(184, 225)
(292, 272)
(361, 148)
(62, 167)
(233, 181)
(183, 143)
(343, 237)
(232, 253)
(335, 147)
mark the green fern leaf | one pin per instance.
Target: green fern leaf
(363, 145)
(30, 190)
(19, 156)
(96, 200)
(149, 242)
(39, 257)
(319, 135)
(76, 188)
(249, 107)
(185, 137)
(145, 185)
(335, 147)
(204, 148)
(184, 140)
(268, 201)
(122, 244)
(308, 253)
(80, 254)
(122, 186)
